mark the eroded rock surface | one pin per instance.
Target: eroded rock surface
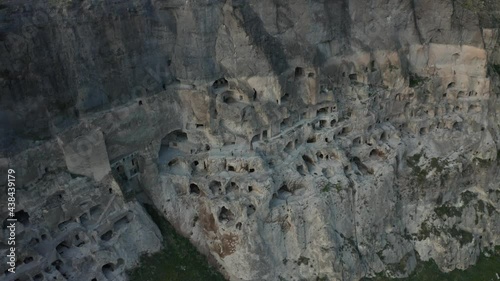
(327, 140)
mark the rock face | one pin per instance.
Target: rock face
(289, 140)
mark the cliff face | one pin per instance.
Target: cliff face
(289, 140)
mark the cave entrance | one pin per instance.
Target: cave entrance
(170, 146)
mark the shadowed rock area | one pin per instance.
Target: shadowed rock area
(287, 140)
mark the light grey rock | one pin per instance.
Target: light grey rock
(287, 140)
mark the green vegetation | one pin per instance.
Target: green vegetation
(462, 236)
(178, 261)
(448, 211)
(416, 80)
(468, 196)
(496, 67)
(482, 162)
(425, 231)
(438, 165)
(393, 67)
(485, 207)
(472, 5)
(419, 173)
(303, 260)
(328, 187)
(484, 270)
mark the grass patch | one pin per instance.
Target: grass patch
(484, 270)
(329, 186)
(438, 165)
(485, 207)
(419, 173)
(425, 231)
(416, 80)
(496, 67)
(483, 163)
(178, 261)
(303, 260)
(464, 237)
(468, 196)
(326, 188)
(473, 5)
(448, 211)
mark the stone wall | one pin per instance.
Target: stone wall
(327, 140)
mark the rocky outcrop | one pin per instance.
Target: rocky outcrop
(326, 140)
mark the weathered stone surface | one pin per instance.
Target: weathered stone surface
(288, 140)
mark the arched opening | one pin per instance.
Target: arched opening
(299, 72)
(307, 159)
(285, 98)
(57, 264)
(383, 136)
(451, 85)
(233, 187)
(256, 138)
(121, 222)
(108, 270)
(62, 248)
(309, 162)
(250, 210)
(311, 139)
(22, 217)
(283, 191)
(353, 77)
(220, 83)
(96, 211)
(215, 187)
(376, 153)
(228, 98)
(345, 131)
(225, 215)
(474, 108)
(310, 75)
(423, 131)
(173, 162)
(194, 189)
(301, 170)
(107, 235)
(332, 123)
(169, 148)
(322, 111)
(285, 123)
(264, 134)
